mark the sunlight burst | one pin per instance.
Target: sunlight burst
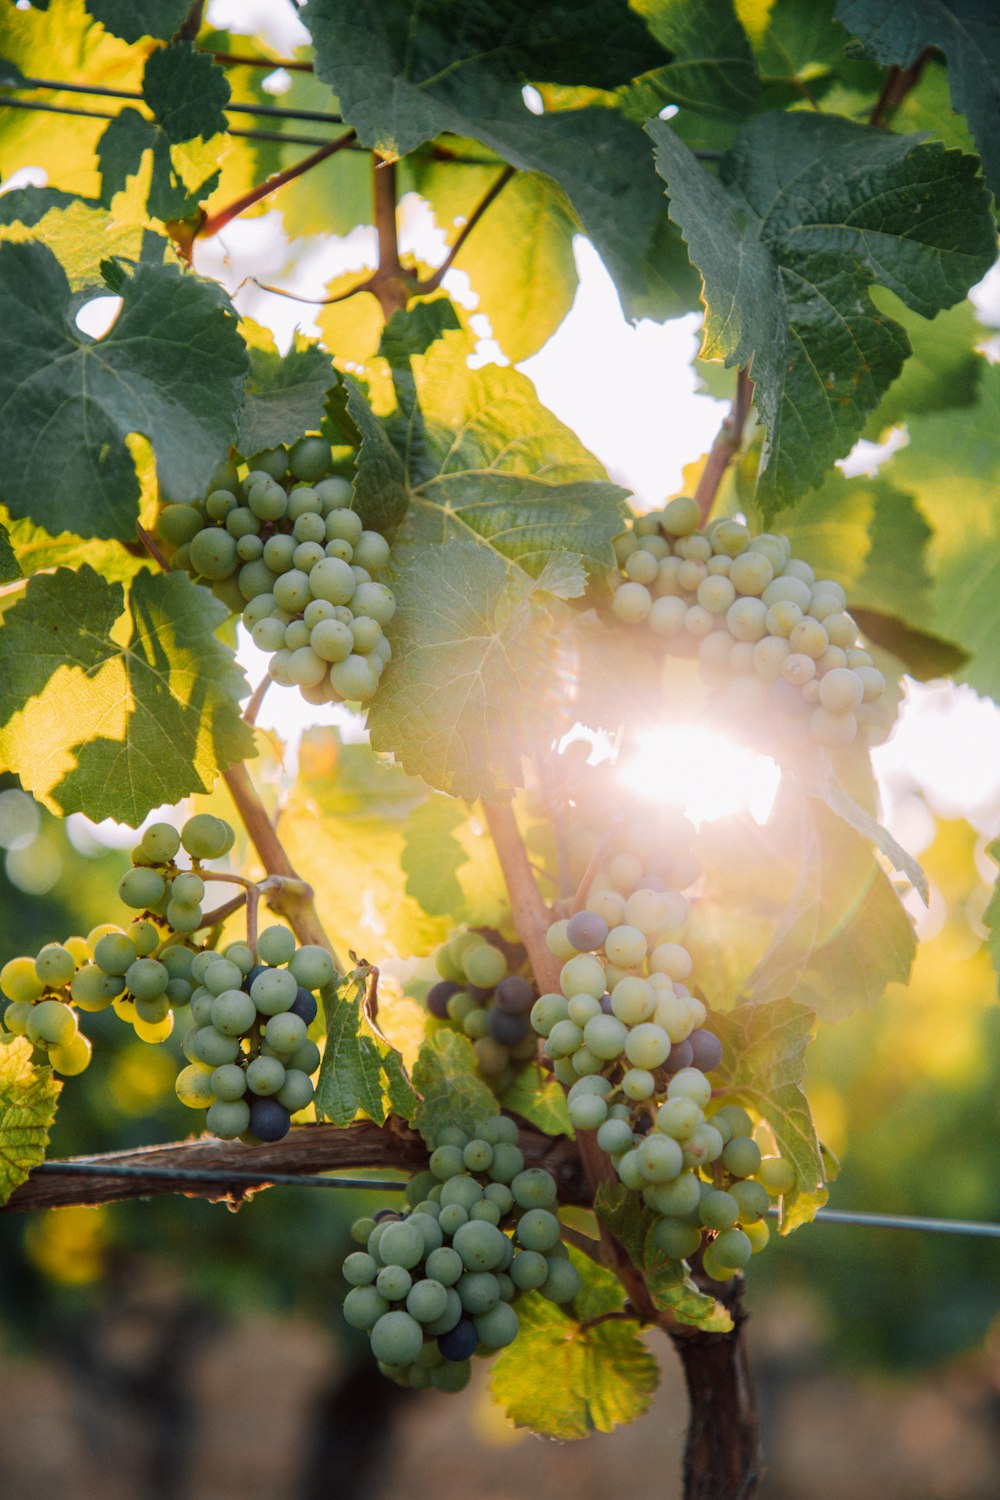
(707, 774)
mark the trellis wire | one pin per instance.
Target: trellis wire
(378, 1184)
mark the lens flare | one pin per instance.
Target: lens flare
(703, 772)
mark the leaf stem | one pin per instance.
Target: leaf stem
(431, 284)
(214, 222)
(531, 915)
(239, 60)
(898, 83)
(256, 699)
(726, 445)
(391, 284)
(151, 547)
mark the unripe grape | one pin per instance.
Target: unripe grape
(680, 517)
(55, 965)
(73, 1057)
(194, 1086)
(625, 946)
(751, 572)
(632, 603)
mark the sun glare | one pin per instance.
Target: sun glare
(706, 774)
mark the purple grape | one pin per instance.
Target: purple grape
(586, 930)
(707, 1050)
(438, 996)
(304, 1006)
(506, 1028)
(385, 1213)
(515, 994)
(459, 1342)
(257, 969)
(269, 1120)
(606, 1005)
(681, 1055)
(478, 993)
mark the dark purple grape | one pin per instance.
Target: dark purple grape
(478, 993)
(707, 1050)
(304, 1006)
(459, 1342)
(681, 1055)
(269, 1120)
(257, 969)
(506, 1028)
(385, 1213)
(586, 930)
(606, 1005)
(515, 994)
(438, 996)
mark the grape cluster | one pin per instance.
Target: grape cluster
(438, 1284)
(478, 996)
(771, 637)
(40, 1003)
(283, 545)
(248, 1052)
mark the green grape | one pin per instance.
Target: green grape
(534, 1188)
(146, 979)
(563, 1281)
(633, 1000)
(676, 1239)
(335, 494)
(703, 1145)
(93, 990)
(478, 1292)
(309, 459)
(615, 1137)
(427, 1301)
(73, 1057)
(343, 525)
(275, 945)
(297, 1091)
(753, 1199)
(16, 1017)
(638, 1084)
(647, 1046)
(219, 503)
(228, 1119)
(371, 551)
(305, 1059)
(732, 1248)
(312, 967)
(114, 953)
(363, 1307)
(274, 991)
(229, 1082)
(354, 678)
(244, 526)
(625, 946)
(690, 1083)
(55, 965)
(498, 1130)
(271, 461)
(141, 887)
(480, 1244)
(777, 1175)
(677, 1199)
(213, 1047)
(498, 1327)
(333, 581)
(265, 1076)
(453, 1217)
(582, 975)
(538, 1230)
(401, 1244)
(359, 1269)
(144, 936)
(19, 980)
(268, 635)
(741, 1156)
(233, 1012)
(206, 837)
(291, 590)
(183, 918)
(213, 553)
(393, 1283)
(194, 1086)
(221, 975)
(461, 1189)
(718, 1209)
(374, 600)
(477, 1155)
(660, 1158)
(546, 1011)
(508, 1160)
(679, 1117)
(485, 966)
(285, 1033)
(177, 524)
(588, 1112)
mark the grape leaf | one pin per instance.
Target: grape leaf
(951, 466)
(187, 92)
(346, 821)
(134, 19)
(82, 235)
(712, 70)
(540, 1100)
(472, 673)
(28, 1099)
(563, 1379)
(404, 77)
(432, 856)
(11, 76)
(943, 369)
(360, 1072)
(28, 205)
(622, 1212)
(171, 368)
(444, 1076)
(966, 31)
(10, 568)
(806, 212)
(763, 1065)
(285, 395)
(112, 707)
(472, 454)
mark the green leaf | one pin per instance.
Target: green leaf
(134, 19)
(965, 31)
(540, 1100)
(10, 568)
(473, 455)
(622, 1212)
(444, 1076)
(28, 1099)
(564, 1380)
(763, 1065)
(844, 806)
(943, 369)
(432, 857)
(171, 368)
(346, 821)
(81, 235)
(28, 205)
(11, 76)
(285, 395)
(112, 708)
(952, 467)
(404, 77)
(360, 1072)
(471, 673)
(187, 92)
(807, 211)
(36, 551)
(712, 70)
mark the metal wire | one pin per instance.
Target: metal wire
(904, 1221)
(284, 138)
(274, 111)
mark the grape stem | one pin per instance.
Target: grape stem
(212, 224)
(151, 547)
(621, 1315)
(898, 83)
(579, 901)
(256, 699)
(726, 446)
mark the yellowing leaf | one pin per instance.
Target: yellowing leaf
(28, 1099)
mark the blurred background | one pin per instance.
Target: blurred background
(178, 1350)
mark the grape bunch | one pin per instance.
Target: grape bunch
(40, 1003)
(249, 1056)
(283, 545)
(771, 637)
(478, 996)
(169, 896)
(439, 1283)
